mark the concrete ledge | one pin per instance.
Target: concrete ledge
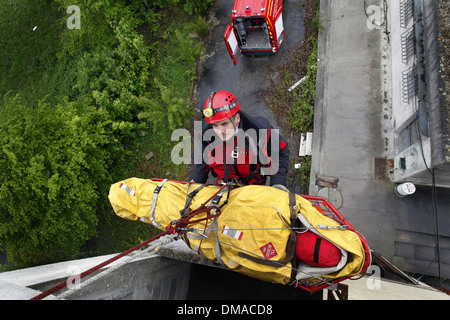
(179, 250)
(167, 276)
(367, 288)
(45, 273)
(11, 291)
(150, 277)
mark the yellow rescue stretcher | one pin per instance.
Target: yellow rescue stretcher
(253, 230)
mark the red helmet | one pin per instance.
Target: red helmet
(219, 106)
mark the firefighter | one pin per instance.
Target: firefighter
(238, 148)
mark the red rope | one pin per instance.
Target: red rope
(171, 229)
(99, 266)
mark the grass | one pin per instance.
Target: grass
(27, 57)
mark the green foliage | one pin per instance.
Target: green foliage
(163, 4)
(181, 53)
(300, 177)
(192, 7)
(295, 108)
(81, 112)
(27, 57)
(168, 104)
(316, 22)
(302, 110)
(198, 7)
(98, 20)
(114, 81)
(52, 167)
(168, 113)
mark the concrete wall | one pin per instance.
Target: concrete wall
(162, 278)
(419, 119)
(176, 273)
(358, 134)
(153, 278)
(420, 135)
(148, 278)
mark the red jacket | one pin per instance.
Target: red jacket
(256, 151)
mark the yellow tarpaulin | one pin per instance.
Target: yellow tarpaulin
(252, 235)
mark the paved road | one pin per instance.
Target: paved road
(250, 76)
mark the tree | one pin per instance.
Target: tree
(52, 165)
(198, 7)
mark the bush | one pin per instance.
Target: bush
(115, 91)
(52, 167)
(198, 7)
(113, 81)
(302, 109)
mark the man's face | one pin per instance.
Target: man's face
(225, 128)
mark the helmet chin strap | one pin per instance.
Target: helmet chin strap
(234, 152)
(234, 125)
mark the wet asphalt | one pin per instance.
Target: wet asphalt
(251, 75)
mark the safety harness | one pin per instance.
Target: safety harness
(254, 176)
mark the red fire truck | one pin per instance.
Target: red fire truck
(256, 28)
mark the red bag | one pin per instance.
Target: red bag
(316, 251)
